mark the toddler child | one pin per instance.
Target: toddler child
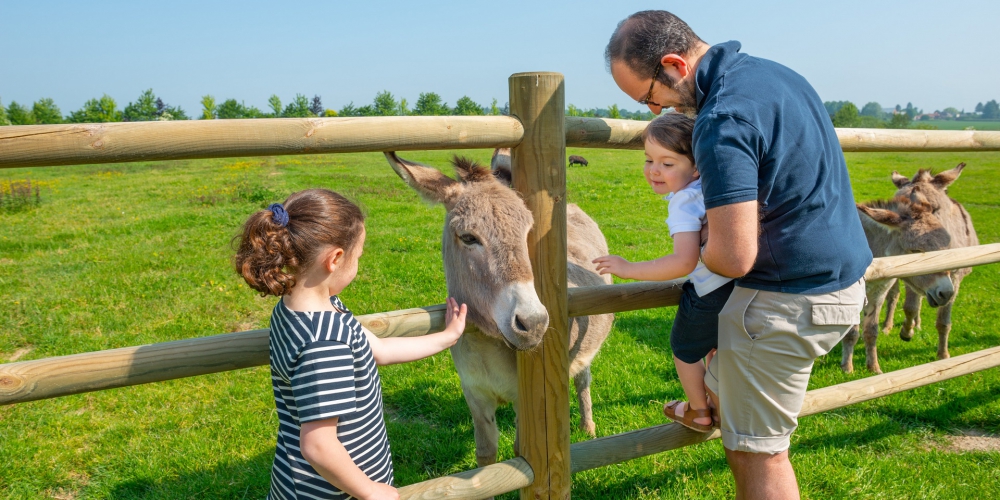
(332, 440)
(670, 170)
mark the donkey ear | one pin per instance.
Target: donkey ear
(428, 181)
(501, 166)
(899, 180)
(944, 179)
(885, 218)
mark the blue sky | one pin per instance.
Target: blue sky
(932, 53)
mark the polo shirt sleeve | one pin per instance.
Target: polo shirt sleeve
(727, 152)
(322, 381)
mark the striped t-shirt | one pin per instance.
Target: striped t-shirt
(322, 367)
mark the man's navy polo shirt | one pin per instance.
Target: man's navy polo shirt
(763, 134)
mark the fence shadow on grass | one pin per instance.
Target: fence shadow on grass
(899, 421)
(237, 480)
(651, 330)
(431, 433)
(672, 479)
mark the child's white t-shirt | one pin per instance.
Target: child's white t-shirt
(686, 213)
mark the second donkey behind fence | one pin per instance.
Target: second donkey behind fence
(920, 218)
(485, 250)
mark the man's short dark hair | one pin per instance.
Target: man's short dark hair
(644, 37)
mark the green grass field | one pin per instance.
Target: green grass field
(129, 254)
(964, 124)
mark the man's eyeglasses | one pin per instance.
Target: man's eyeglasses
(649, 95)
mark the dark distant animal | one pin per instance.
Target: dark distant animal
(577, 160)
(920, 218)
(485, 251)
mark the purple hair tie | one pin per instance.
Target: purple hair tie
(278, 214)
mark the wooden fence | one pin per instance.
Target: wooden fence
(538, 132)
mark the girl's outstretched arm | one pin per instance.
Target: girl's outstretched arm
(404, 349)
(678, 264)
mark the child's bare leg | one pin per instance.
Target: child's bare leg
(692, 376)
(709, 356)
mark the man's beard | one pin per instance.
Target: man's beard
(688, 103)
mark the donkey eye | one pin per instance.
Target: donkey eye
(469, 239)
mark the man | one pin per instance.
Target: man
(781, 220)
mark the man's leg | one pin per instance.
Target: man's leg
(762, 475)
(758, 379)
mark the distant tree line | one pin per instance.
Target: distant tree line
(149, 107)
(873, 115)
(44, 111)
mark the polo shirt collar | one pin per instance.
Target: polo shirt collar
(713, 64)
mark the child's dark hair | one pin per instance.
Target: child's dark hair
(275, 243)
(672, 131)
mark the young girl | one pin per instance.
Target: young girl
(670, 171)
(331, 436)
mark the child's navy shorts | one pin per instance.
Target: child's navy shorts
(696, 326)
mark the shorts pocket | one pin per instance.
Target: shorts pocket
(835, 314)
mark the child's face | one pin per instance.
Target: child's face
(667, 171)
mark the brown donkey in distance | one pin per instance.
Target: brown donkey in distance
(485, 250)
(920, 218)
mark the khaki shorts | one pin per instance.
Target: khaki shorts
(767, 344)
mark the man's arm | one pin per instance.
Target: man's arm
(732, 239)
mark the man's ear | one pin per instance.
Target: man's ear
(674, 63)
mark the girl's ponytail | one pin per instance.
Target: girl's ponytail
(276, 242)
(265, 252)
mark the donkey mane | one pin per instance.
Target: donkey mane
(469, 170)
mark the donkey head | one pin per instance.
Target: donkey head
(916, 221)
(485, 248)
(912, 228)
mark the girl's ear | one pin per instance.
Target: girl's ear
(334, 258)
(697, 175)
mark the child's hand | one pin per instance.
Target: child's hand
(454, 318)
(382, 491)
(611, 264)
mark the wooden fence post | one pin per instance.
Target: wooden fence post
(539, 174)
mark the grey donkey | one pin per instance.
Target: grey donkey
(920, 218)
(485, 250)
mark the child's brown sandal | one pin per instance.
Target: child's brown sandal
(669, 411)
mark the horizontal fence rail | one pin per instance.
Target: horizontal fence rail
(64, 375)
(93, 371)
(610, 450)
(89, 143)
(85, 143)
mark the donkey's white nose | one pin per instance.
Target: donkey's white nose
(520, 316)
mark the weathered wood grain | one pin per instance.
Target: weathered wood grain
(86, 143)
(64, 375)
(539, 175)
(915, 264)
(483, 482)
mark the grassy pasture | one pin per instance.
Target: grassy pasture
(128, 254)
(963, 124)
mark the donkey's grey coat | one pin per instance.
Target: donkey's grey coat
(485, 250)
(920, 218)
